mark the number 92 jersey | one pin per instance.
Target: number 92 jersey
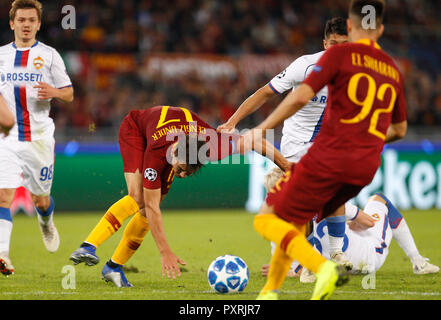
(365, 95)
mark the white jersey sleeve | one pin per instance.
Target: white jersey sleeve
(59, 74)
(288, 78)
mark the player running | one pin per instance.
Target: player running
(32, 74)
(152, 158)
(366, 109)
(300, 130)
(367, 238)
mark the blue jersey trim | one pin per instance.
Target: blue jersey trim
(272, 88)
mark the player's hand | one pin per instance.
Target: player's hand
(170, 265)
(364, 220)
(45, 91)
(226, 127)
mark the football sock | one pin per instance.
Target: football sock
(112, 220)
(336, 231)
(400, 230)
(134, 234)
(279, 267)
(46, 216)
(5, 229)
(112, 264)
(290, 238)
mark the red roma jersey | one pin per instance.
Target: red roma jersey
(161, 127)
(365, 96)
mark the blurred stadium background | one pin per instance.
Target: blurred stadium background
(208, 56)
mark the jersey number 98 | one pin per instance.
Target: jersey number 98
(46, 173)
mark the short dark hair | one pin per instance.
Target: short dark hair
(191, 155)
(336, 25)
(356, 8)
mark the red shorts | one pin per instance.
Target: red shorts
(132, 145)
(304, 194)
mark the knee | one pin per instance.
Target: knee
(138, 197)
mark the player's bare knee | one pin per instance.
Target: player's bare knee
(138, 197)
(6, 197)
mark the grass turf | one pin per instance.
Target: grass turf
(196, 236)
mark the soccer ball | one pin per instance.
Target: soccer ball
(228, 274)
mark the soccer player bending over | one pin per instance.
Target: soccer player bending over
(366, 108)
(34, 74)
(158, 144)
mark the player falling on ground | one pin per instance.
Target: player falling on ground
(32, 74)
(300, 130)
(366, 108)
(7, 120)
(367, 238)
(152, 158)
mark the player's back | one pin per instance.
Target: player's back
(365, 96)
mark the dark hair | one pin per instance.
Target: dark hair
(356, 8)
(336, 25)
(191, 145)
(25, 4)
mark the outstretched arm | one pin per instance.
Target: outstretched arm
(250, 105)
(293, 102)
(265, 148)
(152, 200)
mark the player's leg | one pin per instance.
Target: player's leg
(336, 224)
(10, 179)
(292, 245)
(133, 236)
(45, 205)
(6, 198)
(401, 233)
(132, 146)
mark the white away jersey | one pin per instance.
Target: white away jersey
(20, 70)
(305, 124)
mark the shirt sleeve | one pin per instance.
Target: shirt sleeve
(399, 114)
(59, 74)
(288, 78)
(153, 171)
(325, 69)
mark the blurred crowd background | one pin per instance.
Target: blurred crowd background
(108, 53)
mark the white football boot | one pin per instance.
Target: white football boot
(51, 238)
(421, 265)
(307, 276)
(339, 258)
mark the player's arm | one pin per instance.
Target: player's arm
(7, 120)
(169, 261)
(292, 103)
(265, 148)
(396, 131)
(46, 91)
(250, 105)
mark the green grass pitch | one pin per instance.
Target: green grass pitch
(197, 237)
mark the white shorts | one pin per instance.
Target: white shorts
(295, 151)
(27, 164)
